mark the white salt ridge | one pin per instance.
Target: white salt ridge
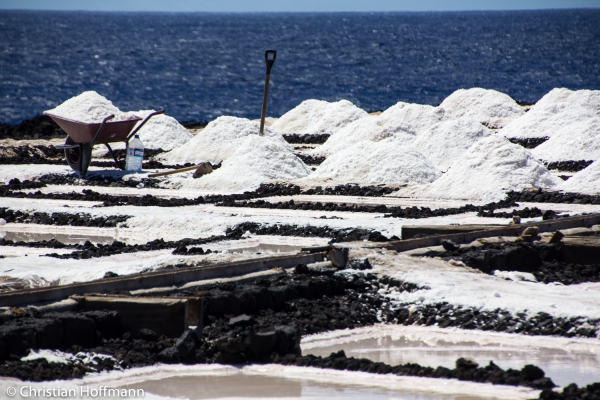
(162, 131)
(219, 140)
(494, 166)
(318, 116)
(384, 162)
(446, 142)
(372, 128)
(555, 112)
(419, 116)
(255, 160)
(483, 105)
(576, 141)
(89, 107)
(585, 181)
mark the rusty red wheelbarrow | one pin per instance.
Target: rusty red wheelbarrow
(83, 136)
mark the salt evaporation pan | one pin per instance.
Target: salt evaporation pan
(255, 160)
(447, 141)
(577, 141)
(372, 128)
(555, 112)
(585, 181)
(318, 116)
(162, 131)
(491, 107)
(89, 107)
(218, 141)
(419, 116)
(387, 161)
(493, 167)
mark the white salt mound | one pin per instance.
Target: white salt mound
(419, 116)
(585, 181)
(447, 141)
(483, 105)
(162, 131)
(219, 140)
(387, 161)
(576, 141)
(493, 167)
(255, 160)
(318, 116)
(89, 107)
(372, 128)
(555, 112)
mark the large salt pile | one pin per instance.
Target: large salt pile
(419, 116)
(576, 141)
(484, 105)
(89, 107)
(447, 141)
(254, 160)
(218, 141)
(555, 112)
(493, 167)
(387, 161)
(318, 116)
(585, 181)
(162, 131)
(372, 128)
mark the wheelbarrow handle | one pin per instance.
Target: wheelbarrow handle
(270, 61)
(142, 124)
(111, 116)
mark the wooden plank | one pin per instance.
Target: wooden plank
(154, 279)
(410, 231)
(508, 230)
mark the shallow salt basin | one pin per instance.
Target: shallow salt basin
(563, 360)
(282, 382)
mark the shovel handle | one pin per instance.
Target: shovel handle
(270, 56)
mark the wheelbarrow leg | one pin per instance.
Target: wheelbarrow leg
(85, 150)
(114, 156)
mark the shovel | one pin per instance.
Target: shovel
(270, 56)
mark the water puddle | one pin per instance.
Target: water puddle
(563, 363)
(76, 238)
(268, 248)
(244, 386)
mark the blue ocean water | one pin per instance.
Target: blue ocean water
(200, 65)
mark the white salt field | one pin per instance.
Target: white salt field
(440, 157)
(563, 360)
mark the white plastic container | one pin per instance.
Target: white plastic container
(135, 154)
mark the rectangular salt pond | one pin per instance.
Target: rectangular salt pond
(563, 360)
(272, 381)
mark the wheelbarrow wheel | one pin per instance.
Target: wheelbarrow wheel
(78, 160)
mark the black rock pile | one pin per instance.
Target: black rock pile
(568, 166)
(544, 196)
(445, 315)
(310, 160)
(389, 211)
(40, 126)
(90, 250)
(566, 273)
(318, 138)
(543, 260)
(528, 143)
(466, 370)
(96, 180)
(336, 235)
(573, 392)
(60, 218)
